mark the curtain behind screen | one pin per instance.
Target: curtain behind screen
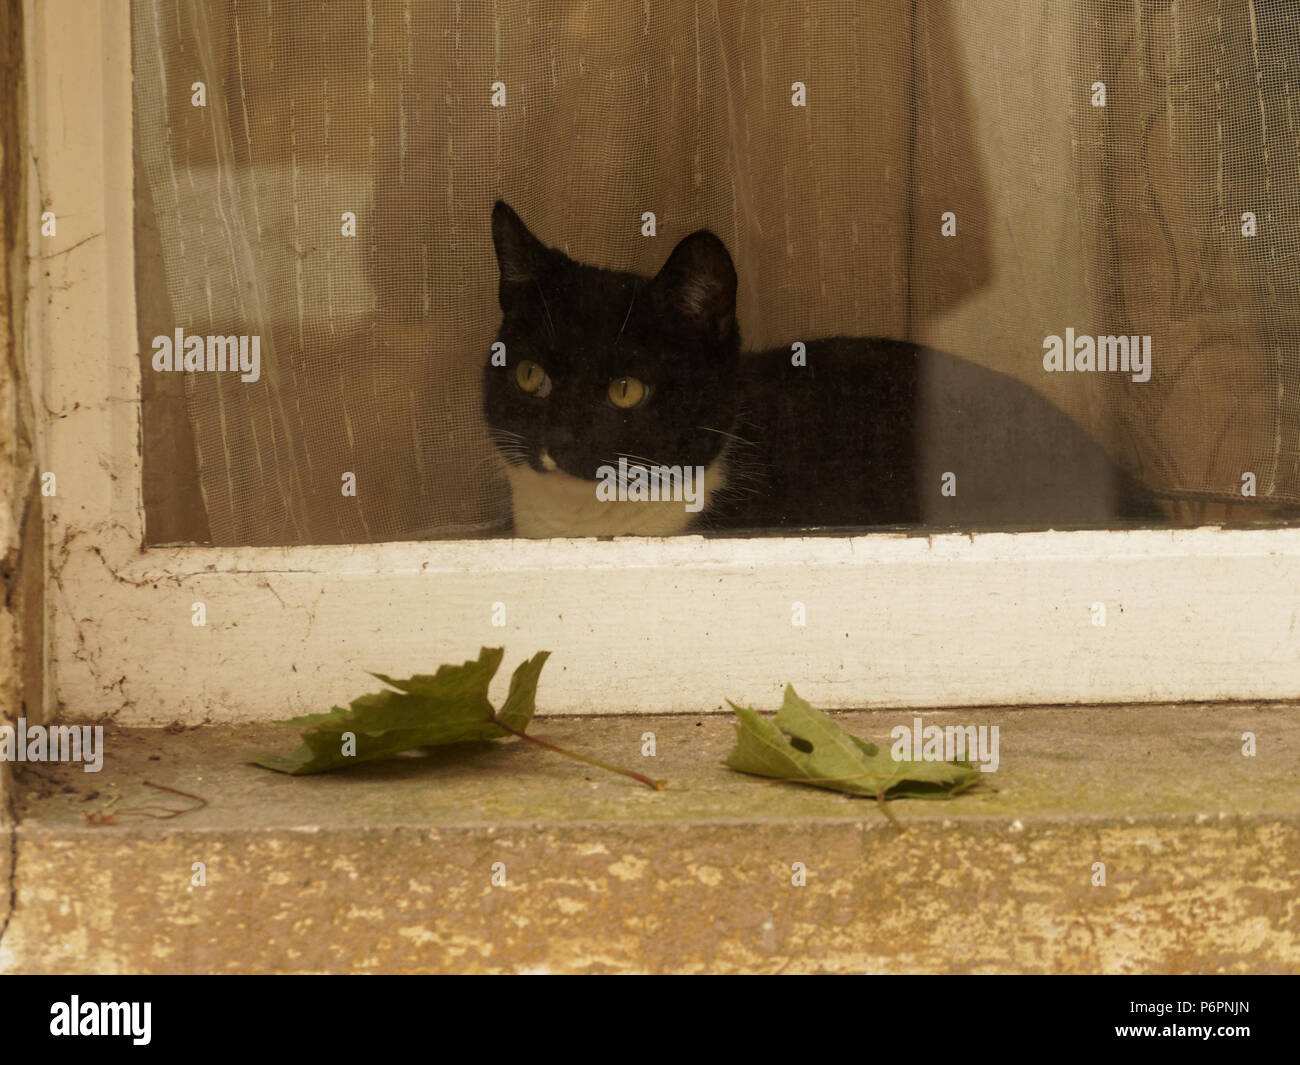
(1124, 219)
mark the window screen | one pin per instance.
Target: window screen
(977, 177)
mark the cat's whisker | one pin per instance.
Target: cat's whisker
(508, 443)
(732, 436)
(508, 447)
(547, 307)
(641, 459)
(626, 316)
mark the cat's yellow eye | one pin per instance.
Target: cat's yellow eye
(531, 378)
(627, 392)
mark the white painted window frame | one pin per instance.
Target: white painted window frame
(656, 625)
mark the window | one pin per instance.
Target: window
(304, 589)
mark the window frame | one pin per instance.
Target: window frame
(635, 624)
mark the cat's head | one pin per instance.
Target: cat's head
(601, 364)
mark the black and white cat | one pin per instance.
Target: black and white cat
(602, 366)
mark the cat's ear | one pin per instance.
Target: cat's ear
(699, 282)
(521, 257)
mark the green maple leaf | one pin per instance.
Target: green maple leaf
(450, 706)
(427, 710)
(803, 745)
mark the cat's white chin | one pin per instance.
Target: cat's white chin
(557, 504)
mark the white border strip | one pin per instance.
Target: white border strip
(679, 626)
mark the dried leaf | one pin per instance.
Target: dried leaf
(803, 745)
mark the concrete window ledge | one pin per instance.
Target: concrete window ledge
(389, 867)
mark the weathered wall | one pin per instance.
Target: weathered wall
(21, 559)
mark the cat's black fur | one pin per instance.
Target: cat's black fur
(861, 435)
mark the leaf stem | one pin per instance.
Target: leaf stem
(658, 785)
(884, 809)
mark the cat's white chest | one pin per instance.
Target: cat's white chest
(547, 504)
